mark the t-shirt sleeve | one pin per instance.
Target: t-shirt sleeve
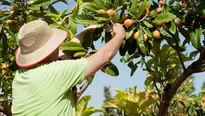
(68, 73)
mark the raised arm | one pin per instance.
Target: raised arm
(106, 52)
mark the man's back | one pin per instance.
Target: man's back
(46, 90)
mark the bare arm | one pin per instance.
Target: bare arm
(78, 39)
(106, 52)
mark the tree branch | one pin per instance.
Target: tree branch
(197, 66)
(181, 60)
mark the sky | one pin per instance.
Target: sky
(123, 81)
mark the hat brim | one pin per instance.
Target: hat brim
(31, 59)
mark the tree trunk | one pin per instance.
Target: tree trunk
(171, 91)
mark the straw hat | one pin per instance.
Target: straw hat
(36, 42)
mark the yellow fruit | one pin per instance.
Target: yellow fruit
(135, 35)
(156, 34)
(111, 12)
(9, 22)
(128, 23)
(159, 9)
(4, 65)
(102, 11)
(31, 2)
(177, 21)
(74, 9)
(145, 37)
(146, 11)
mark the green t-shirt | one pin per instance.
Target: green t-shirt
(46, 90)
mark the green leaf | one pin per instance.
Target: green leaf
(86, 19)
(195, 37)
(140, 41)
(170, 40)
(91, 110)
(72, 46)
(13, 36)
(110, 69)
(133, 67)
(147, 32)
(82, 105)
(72, 25)
(129, 32)
(145, 4)
(146, 23)
(173, 28)
(79, 54)
(40, 1)
(166, 17)
(134, 8)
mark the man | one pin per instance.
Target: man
(43, 85)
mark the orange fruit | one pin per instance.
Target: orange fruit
(146, 11)
(124, 16)
(177, 21)
(183, 4)
(159, 9)
(102, 11)
(165, 27)
(202, 16)
(9, 22)
(159, 24)
(128, 23)
(111, 12)
(135, 35)
(156, 34)
(145, 37)
(162, 2)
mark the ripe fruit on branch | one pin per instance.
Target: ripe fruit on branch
(183, 4)
(74, 9)
(165, 27)
(9, 22)
(145, 37)
(124, 16)
(202, 16)
(4, 65)
(159, 9)
(102, 11)
(156, 34)
(146, 11)
(111, 12)
(158, 24)
(162, 2)
(128, 23)
(177, 21)
(135, 35)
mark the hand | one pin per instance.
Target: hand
(118, 30)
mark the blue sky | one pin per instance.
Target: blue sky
(122, 81)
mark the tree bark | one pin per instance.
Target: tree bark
(168, 95)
